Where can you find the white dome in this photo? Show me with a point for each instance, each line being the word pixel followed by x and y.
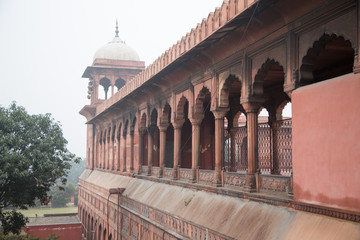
pixel 117 50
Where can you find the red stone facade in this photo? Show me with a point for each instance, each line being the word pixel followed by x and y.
pixel 176 123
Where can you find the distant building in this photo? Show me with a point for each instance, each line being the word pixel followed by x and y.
pixel 171 155
pixel 64 226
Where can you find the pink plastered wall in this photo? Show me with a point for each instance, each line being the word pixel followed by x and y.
pixel 326 143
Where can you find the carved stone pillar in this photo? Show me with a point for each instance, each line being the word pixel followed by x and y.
pixel 195 123
pixel 116 149
pixel 219 144
pixel 111 149
pixel 103 151
pixel 150 130
pixel 252 144
pixel 275 126
pixel 162 129
pixel 177 146
pixel 132 149
pixel 123 151
pixel 141 149
pixel 95 151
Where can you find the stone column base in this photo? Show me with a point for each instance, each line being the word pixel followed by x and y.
pixel 218 180
pixel 250 182
pixel 175 174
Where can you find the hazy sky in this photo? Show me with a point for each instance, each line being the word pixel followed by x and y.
pixel 45 46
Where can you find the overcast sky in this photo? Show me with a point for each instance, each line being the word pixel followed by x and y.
pixel 45 46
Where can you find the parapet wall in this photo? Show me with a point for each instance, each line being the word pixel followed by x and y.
pixel 326 132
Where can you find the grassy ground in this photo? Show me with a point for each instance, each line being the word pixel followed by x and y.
pixel 33 212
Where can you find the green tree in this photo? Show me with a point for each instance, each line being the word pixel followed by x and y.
pixel 33 157
pixel 59 197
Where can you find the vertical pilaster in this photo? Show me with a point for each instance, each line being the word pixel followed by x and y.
pixel 103 140
pixel 116 148
pixel 111 149
pixel 162 129
pixel 131 149
pixel 95 150
pixel 252 143
pixel 177 146
pixel 219 144
pixel 123 151
pixel 150 130
pixel 106 149
pixel 141 149
pixel 195 123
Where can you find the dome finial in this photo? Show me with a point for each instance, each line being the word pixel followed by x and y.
pixel 117 29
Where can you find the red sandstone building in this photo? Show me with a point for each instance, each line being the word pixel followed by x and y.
pixel 171 155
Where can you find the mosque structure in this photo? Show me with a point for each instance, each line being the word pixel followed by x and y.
pixel 177 149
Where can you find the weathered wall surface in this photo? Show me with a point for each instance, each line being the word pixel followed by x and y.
pixel 63 231
pixel 326 144
pixel 187 211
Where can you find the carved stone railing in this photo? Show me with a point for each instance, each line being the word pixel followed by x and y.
pixel 206 177
pixel 284 147
pixel 234 179
pixel 144 169
pixel 155 171
pixel 264 148
pixel 185 174
pixel 168 172
pixel 275 183
pixel 235 159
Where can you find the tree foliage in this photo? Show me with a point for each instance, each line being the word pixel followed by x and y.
pixel 33 156
pixel 61 198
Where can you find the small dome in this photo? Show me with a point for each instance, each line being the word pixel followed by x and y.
pixel 117 50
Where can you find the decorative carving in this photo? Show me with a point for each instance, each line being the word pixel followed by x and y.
pixel 264 148
pixel 331 212
pixel 185 173
pixel 234 179
pixel 168 172
pixel 206 177
pixel 235 159
pixel 275 183
pixel 155 171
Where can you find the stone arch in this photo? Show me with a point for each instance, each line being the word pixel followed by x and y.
pixel 330 56
pixel 269 74
pixel 99 232
pixel 155 136
pixel 166 114
pixel 169 143
pixel 231 86
pixel 125 128
pixel 180 110
pixel 119 83
pixel 105 83
pixel 280 109
pixel 144 135
pixel 104 234
pixel 204 96
pixel 207 129
pixel 182 113
pixel 143 121
pixel 153 117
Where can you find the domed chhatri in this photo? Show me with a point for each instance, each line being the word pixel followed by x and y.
pixel 117 50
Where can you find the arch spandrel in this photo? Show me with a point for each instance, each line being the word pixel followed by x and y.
pixel 324 57
pixel 277 54
pixel 340 26
pixel 234 73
